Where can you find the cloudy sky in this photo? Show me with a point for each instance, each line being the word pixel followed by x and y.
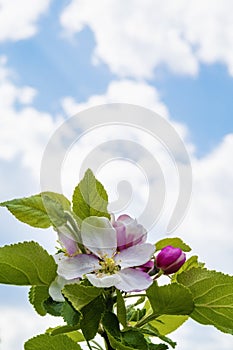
pixel 173 57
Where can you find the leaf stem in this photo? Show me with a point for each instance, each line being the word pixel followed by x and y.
pixel 134 295
pixel 146 320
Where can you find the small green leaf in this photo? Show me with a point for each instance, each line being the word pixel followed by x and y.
pixel 171 299
pixel 54 308
pixel 91 316
pixel 213 297
pixel 151 331
pixel 111 325
pixel 80 295
pixel 126 340
pixel 26 264
pixel 37 296
pixel 174 242
pixel 90 198
pixel 48 342
pixel 70 315
pixel 32 211
pixel 121 309
pixel 70 331
pixel 62 330
pixel 135 315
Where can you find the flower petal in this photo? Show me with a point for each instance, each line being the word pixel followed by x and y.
pixel 105 281
pixel 56 287
pixel 132 280
pixel 67 240
pixel 135 256
pixel 121 234
pixel 74 267
pixel 133 234
pixel 99 236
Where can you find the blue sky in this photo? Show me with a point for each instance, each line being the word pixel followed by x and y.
pixel 58 67
pixel 61 57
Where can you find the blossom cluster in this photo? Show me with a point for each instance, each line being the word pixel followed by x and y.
pixel 111 253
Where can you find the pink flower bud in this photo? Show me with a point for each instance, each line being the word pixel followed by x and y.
pixel 170 259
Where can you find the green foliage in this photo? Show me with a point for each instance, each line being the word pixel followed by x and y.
pixel 48 342
pixel 135 315
pixel 80 295
pixel 70 331
pixel 26 264
pixel 41 210
pixel 37 296
pixel 121 309
pixel 126 340
pixel 188 265
pixel 172 299
pixel 213 297
pixel 174 242
pixel 157 346
pixel 153 332
pixel 69 314
pixel 166 324
pixel 90 198
pixel 91 316
pixel 54 308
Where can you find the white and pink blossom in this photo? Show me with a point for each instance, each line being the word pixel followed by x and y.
pixel 105 265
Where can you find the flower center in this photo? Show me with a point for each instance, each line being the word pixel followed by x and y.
pixel 108 266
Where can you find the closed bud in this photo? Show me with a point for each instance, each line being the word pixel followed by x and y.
pixel 170 259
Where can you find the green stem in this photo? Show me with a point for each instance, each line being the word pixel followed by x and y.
pixel 134 295
pixel 106 340
pixel 146 320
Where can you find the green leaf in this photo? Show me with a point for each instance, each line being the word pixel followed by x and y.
pixel 171 299
pixel 26 264
pixel 166 324
pixel 121 309
pixel 91 316
pixel 54 308
pixel 70 331
pixel 153 332
pixel 135 315
pixel 80 295
pixel 174 242
pixel 134 339
pixel 32 211
pixel 70 315
pixel 90 198
pixel 37 296
pixel 188 265
pixel 157 346
pixel 126 340
pixel 213 297
pixel 48 342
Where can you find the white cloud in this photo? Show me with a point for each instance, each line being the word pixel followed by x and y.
pixel 134 38
pixel 24 130
pixel 19 20
pixel 208 225
pixel 19 324
pixel 123 91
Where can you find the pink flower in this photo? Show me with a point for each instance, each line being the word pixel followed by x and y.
pixel 129 232
pixel 106 266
